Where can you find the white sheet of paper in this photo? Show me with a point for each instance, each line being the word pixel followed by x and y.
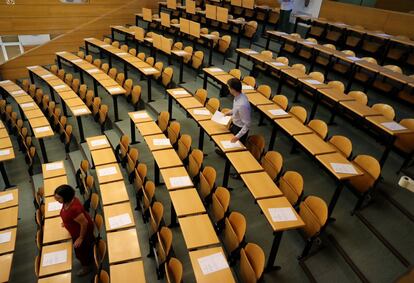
pixel 89 38
pixel 53 206
pixel 122 54
pixel 107 171
pixel 80 111
pixel 47 76
pixel 215 70
pixel 313 82
pixel 42 129
pixel 99 142
pixel 278 64
pixel 309 42
pixel 5 82
pixel 6 198
pixel 203 112
pixel 114 89
pixel 140 115
pixel 277 112
pixel 251 52
pixel 212 263
pixel 61 53
pixel 17 92
pixel 181 181
pixel 55 257
pixel 178 92
pixel 161 142
pixel 91 71
pixel 180 52
pixel 5 237
pixel 4 152
pixel 353 58
pixel 77 61
pixel 281 214
pixel 247 87
pixel 229 144
pixel 343 168
pixel 32 67
pixel 393 126
pixel 54 166
pixel 105 45
pixel 383 35
pixel 220 118
pixel 60 86
pixel 119 220
pixel 26 105
pixel 150 69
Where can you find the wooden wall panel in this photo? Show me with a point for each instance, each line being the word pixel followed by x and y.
pixel 72 39
pixel 370 18
pixel 395 5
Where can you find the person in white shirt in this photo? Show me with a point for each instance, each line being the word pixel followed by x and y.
pixel 286 7
pixel 241 112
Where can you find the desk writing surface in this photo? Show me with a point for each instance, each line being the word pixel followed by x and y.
pixel 279 202
pixel 43 131
pixel 213 128
pixel 378 120
pixel 61 278
pixel 244 162
pixel 68 95
pixel 360 109
pixel 23 99
pixel 8 156
pixel 39 122
pixel 335 95
pixel 140 116
pixel 266 110
pixel 327 159
pixel 13 202
pixel 223 78
pixel 4 133
pixel 103 156
pixel 261 185
pixel 116 210
pixel 249 4
pixel 195 114
pixel 172 4
pixel 120 252
pixel 50 213
pixel 294 73
pixel 314 144
pixel 114 192
pixel 5 263
pixel 166 158
pixel 149 140
pixel 187 202
pixel 198 231
pixel 97 142
pixel 114 174
pixel 223 275
pixel 74 102
pixel 51 184
pixel 60 267
pixel 129 272
pixel 5 143
pixel 257 99
pixel 53 231
pixel 168 173
pixel 218 139
pixel 148 128
pixel 10 245
pixel 293 126
pixel 189 102
pixel 213 71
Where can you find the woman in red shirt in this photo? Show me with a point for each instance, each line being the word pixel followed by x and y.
pixel 79 225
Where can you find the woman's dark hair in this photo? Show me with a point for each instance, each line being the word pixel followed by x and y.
pixel 66 192
pixel 235 84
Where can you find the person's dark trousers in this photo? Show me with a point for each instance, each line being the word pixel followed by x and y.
pixel 235 130
pixel 284 20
